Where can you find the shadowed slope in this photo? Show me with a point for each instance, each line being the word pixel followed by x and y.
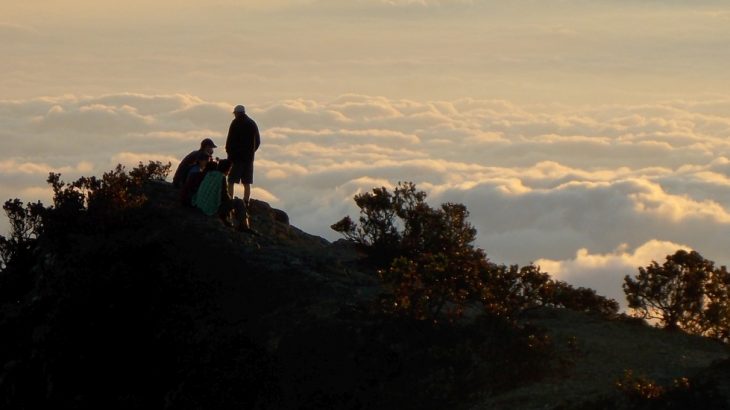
pixel 171 309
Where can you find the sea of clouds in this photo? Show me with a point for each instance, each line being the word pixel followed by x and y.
pixel 589 193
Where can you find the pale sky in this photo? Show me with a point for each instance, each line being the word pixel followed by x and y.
pixel 527 51
pixel 590 136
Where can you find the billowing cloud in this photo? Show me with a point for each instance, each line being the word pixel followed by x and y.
pixel 541 182
pixel 605 272
pixel 12 167
pixel 580 132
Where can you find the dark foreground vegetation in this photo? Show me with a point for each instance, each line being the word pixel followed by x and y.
pixel 116 297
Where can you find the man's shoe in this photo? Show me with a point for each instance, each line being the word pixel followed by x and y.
pixel 226 222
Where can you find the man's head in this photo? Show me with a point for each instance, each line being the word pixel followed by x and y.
pixel 207 145
pixel 239 110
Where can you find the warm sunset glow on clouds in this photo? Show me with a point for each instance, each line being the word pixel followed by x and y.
pixel 588 136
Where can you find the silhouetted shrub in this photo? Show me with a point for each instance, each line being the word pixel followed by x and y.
pixel 686 292
pixel 643 393
pixel 153 171
pixel 639 388
pixel 87 203
pixel 425 256
pixel 26 222
pixel 402 224
pixel 117 317
pixel 17 251
pixel 510 290
pixel 582 299
pixel 112 317
pixel 103 199
pixel 432 270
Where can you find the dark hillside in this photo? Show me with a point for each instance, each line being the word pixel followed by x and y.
pixel 162 307
pixel 602 351
pixel 158 306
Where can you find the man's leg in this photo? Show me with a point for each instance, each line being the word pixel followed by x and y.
pixel 241 213
pixel 224 212
pixel 246 192
pixel 231 185
pixel 233 177
pixel 247 180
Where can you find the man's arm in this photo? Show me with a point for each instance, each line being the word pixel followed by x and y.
pixel 257 137
pixel 182 169
pixel 229 140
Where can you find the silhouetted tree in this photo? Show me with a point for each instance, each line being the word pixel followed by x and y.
pixel 427 260
pixel 512 289
pixel 17 251
pixel 716 315
pixel 100 200
pixel 26 222
pixel 581 299
pixel 426 255
pixel 114 191
pixel 686 292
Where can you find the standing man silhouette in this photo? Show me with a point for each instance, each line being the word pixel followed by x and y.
pixel 241 145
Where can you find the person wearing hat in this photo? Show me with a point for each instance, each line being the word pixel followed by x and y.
pixel 190 160
pixel 195 177
pixel 241 145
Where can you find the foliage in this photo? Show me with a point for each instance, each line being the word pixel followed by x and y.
pixel 129 317
pixel 89 203
pixel 17 251
pixel 425 255
pixel 686 292
pixel 427 261
pixel 111 316
pixel 509 290
pixel 582 299
pixel 103 199
pixel 638 388
pixel 380 214
pixel 26 222
pixel 513 289
pixel 114 191
pixel 642 393
pixel 153 171
pixel 716 315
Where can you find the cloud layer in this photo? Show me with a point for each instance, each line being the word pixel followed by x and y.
pixel 589 193
pixel 606 271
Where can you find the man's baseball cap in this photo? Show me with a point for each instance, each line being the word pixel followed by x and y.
pixel 207 143
pixel 239 108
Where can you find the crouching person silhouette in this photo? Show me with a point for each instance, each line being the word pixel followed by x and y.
pixel 213 199
pixel 181 173
pixel 195 177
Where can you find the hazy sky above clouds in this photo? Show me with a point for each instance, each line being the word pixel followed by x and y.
pixel 527 51
pixel 590 136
